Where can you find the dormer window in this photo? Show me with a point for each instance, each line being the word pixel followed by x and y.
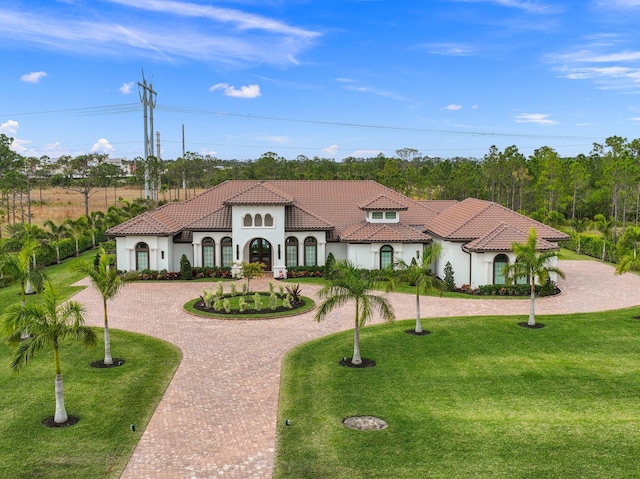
pixel 390 215
pixel 383 216
pixel 376 215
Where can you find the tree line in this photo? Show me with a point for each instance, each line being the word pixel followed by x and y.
pixel 545 185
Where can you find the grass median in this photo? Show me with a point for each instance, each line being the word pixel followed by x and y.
pixel 477 398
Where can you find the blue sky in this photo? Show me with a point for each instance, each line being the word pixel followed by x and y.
pixel 326 78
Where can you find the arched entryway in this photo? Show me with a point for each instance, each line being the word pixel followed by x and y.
pixel 260 252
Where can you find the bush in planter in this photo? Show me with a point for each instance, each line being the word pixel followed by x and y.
pixel 449 280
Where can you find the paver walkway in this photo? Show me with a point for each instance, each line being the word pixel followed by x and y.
pixel 218 415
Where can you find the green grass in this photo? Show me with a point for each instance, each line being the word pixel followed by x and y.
pixel 478 398
pixel 107 401
pixel 567 254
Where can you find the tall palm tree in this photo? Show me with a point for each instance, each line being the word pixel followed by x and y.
pixel 108 282
pixel 48 324
pixel 605 226
pixel 56 232
pixel 418 273
pixel 532 265
pixel 348 283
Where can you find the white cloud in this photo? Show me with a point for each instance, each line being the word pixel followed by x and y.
pixel 366 153
pixel 453 107
pixel 9 127
pixel 449 49
pixel 529 6
pixel 102 146
pixel 127 88
pixel 33 77
pixel 331 150
pixel 247 91
pixel 281 140
pixel 635 118
pixel 223 35
pixel 539 118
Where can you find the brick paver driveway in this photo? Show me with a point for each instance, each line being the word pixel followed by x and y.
pixel 218 415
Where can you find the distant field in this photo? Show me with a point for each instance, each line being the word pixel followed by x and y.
pixel 58 204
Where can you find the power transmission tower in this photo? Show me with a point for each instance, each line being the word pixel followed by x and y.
pixel 148 99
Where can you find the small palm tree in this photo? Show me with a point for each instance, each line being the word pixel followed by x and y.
pixel 419 274
pixel 18 267
pixel 108 282
pixel 94 222
pixel 348 283
pixel 56 233
pixel 580 225
pixel 76 229
pixel 48 324
pixel 630 261
pixel 532 265
pixel 605 226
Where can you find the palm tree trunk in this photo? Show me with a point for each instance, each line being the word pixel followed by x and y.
pixel 107 338
pixel 532 305
pixel 356 347
pixel 418 329
pixel 60 415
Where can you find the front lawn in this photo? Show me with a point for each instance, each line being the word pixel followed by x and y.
pixel 477 398
pixel 107 401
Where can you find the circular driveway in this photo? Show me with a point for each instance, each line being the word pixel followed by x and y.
pixel 218 415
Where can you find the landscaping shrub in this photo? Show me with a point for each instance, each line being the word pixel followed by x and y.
pixel 186 272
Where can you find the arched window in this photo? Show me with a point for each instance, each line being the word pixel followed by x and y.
pixel 208 253
pixel 499 262
pixel 248 221
pixel 226 244
pixel 310 251
pixel 257 220
pixel 142 256
pixel 522 279
pixel 291 246
pixel 386 256
pixel 268 220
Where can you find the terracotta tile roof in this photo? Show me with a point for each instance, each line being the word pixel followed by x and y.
pixel 502 239
pixel 472 219
pixel 219 220
pixel 383 202
pixel 384 232
pixel 297 218
pixel 260 194
pixel 438 205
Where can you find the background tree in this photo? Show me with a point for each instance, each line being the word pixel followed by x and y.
pixel 81 174
pixel 604 226
pixel 419 274
pixel 56 233
pixel 48 324
pixel 348 283
pixel 532 265
pixel 76 229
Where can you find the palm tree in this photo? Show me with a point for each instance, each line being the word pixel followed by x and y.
pixel 532 265
pixel 18 267
pixel 630 262
pixel 76 229
pixel 580 225
pixel 48 323
pixel 94 221
pixel 603 225
pixel 418 273
pixel 348 283
pixel 56 232
pixel 108 282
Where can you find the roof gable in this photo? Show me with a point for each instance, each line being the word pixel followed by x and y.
pixel 383 202
pixel 502 238
pixel 260 194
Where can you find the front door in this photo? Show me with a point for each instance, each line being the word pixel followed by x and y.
pixel 260 252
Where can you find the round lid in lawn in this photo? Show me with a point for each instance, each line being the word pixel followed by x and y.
pixel 365 423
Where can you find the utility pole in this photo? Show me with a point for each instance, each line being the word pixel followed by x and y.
pixel 148 99
pixel 184 172
pixel 158 187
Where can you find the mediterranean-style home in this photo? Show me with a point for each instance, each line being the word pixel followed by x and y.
pixel 285 224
